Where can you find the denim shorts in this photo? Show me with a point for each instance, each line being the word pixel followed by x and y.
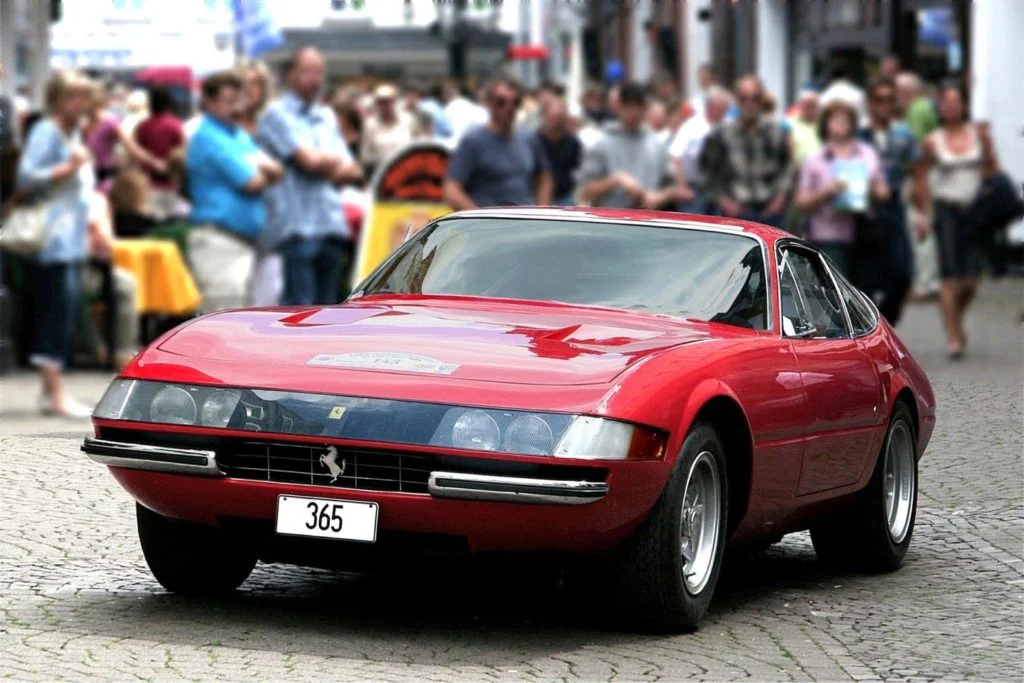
pixel 55 299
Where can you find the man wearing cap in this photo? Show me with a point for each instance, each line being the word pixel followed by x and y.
pixel 388 131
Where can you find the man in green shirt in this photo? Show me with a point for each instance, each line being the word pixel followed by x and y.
pixel 804 124
pixel 918 111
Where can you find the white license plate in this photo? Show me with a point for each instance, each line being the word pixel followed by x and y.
pixel 327 518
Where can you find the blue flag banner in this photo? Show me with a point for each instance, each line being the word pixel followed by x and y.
pixel 255 27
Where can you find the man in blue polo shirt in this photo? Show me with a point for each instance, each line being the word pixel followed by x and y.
pixel 227 174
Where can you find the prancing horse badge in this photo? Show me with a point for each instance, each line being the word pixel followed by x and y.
pixel 330 461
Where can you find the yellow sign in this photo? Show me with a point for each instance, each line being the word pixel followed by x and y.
pixel 387 225
pixel 336 413
pixel 405 195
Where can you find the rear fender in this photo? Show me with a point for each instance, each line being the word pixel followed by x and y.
pixel 907 376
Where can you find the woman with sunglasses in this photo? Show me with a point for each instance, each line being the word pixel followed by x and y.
pixel 961 155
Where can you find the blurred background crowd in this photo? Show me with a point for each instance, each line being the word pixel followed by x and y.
pixel 168 193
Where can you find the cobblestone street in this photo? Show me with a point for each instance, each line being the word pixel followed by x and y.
pixel 78 602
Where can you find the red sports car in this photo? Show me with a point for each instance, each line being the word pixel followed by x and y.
pixel 630 390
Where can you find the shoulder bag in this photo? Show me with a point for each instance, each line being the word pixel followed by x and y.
pixel 24 232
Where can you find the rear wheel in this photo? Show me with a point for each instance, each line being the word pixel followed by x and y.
pixel 192 559
pixel 663 577
pixel 874 533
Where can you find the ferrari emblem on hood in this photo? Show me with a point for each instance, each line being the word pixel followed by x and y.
pixel 330 461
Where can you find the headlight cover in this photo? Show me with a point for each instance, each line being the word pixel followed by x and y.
pixel 551 434
pixel 173 405
pixel 515 432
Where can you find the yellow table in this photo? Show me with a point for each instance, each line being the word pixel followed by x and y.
pixel 164 284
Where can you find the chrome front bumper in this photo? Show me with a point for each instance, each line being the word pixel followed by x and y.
pixel 456 485
pixel 153 458
pixel 514 489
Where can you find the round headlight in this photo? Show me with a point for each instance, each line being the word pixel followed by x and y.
pixel 529 435
pixel 476 430
pixel 218 408
pixel 173 405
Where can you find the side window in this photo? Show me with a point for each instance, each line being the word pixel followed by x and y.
pixel 811 308
pixel 862 314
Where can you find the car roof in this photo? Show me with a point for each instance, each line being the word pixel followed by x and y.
pixel 638 217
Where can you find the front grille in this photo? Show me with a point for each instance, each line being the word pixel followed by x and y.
pixel 344 467
pixel 370 469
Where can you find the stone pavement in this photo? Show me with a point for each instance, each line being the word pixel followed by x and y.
pixel 77 601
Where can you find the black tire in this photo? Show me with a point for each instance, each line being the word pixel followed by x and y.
pixel 645 574
pixel 192 559
pixel 858 537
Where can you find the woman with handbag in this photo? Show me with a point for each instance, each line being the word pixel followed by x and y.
pixel 838 183
pixel 960 155
pixel 55 175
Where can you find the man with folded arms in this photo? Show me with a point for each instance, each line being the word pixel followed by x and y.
pixel 306 224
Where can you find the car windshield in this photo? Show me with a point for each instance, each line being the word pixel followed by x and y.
pixel 692 273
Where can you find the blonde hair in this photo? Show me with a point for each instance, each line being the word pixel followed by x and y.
pixel 97 93
pixel 130 191
pixel 64 83
pixel 266 82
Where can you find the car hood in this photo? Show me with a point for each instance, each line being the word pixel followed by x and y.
pixel 534 343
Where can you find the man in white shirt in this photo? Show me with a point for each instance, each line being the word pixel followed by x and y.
pixel 388 131
pixel 461 112
pixel 707 78
pixel 686 146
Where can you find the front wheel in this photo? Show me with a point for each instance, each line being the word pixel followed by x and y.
pixel 874 533
pixel 664 575
pixel 191 558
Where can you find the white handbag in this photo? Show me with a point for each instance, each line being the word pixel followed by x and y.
pixel 24 232
pixel 27 228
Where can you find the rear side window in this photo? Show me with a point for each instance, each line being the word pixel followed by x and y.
pixel 863 317
pixel 811 308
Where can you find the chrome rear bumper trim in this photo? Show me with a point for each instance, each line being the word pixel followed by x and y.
pixel 514 489
pixel 154 458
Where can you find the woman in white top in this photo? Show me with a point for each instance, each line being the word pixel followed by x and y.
pixel 961 156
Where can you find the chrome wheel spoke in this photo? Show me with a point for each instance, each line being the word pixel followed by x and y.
pixel 700 520
pixel 687 554
pixel 899 481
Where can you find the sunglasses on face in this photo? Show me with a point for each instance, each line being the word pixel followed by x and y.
pixel 504 101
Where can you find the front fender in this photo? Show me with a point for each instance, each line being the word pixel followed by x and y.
pixel 701 395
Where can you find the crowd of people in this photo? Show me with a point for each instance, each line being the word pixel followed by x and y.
pixel 269 177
